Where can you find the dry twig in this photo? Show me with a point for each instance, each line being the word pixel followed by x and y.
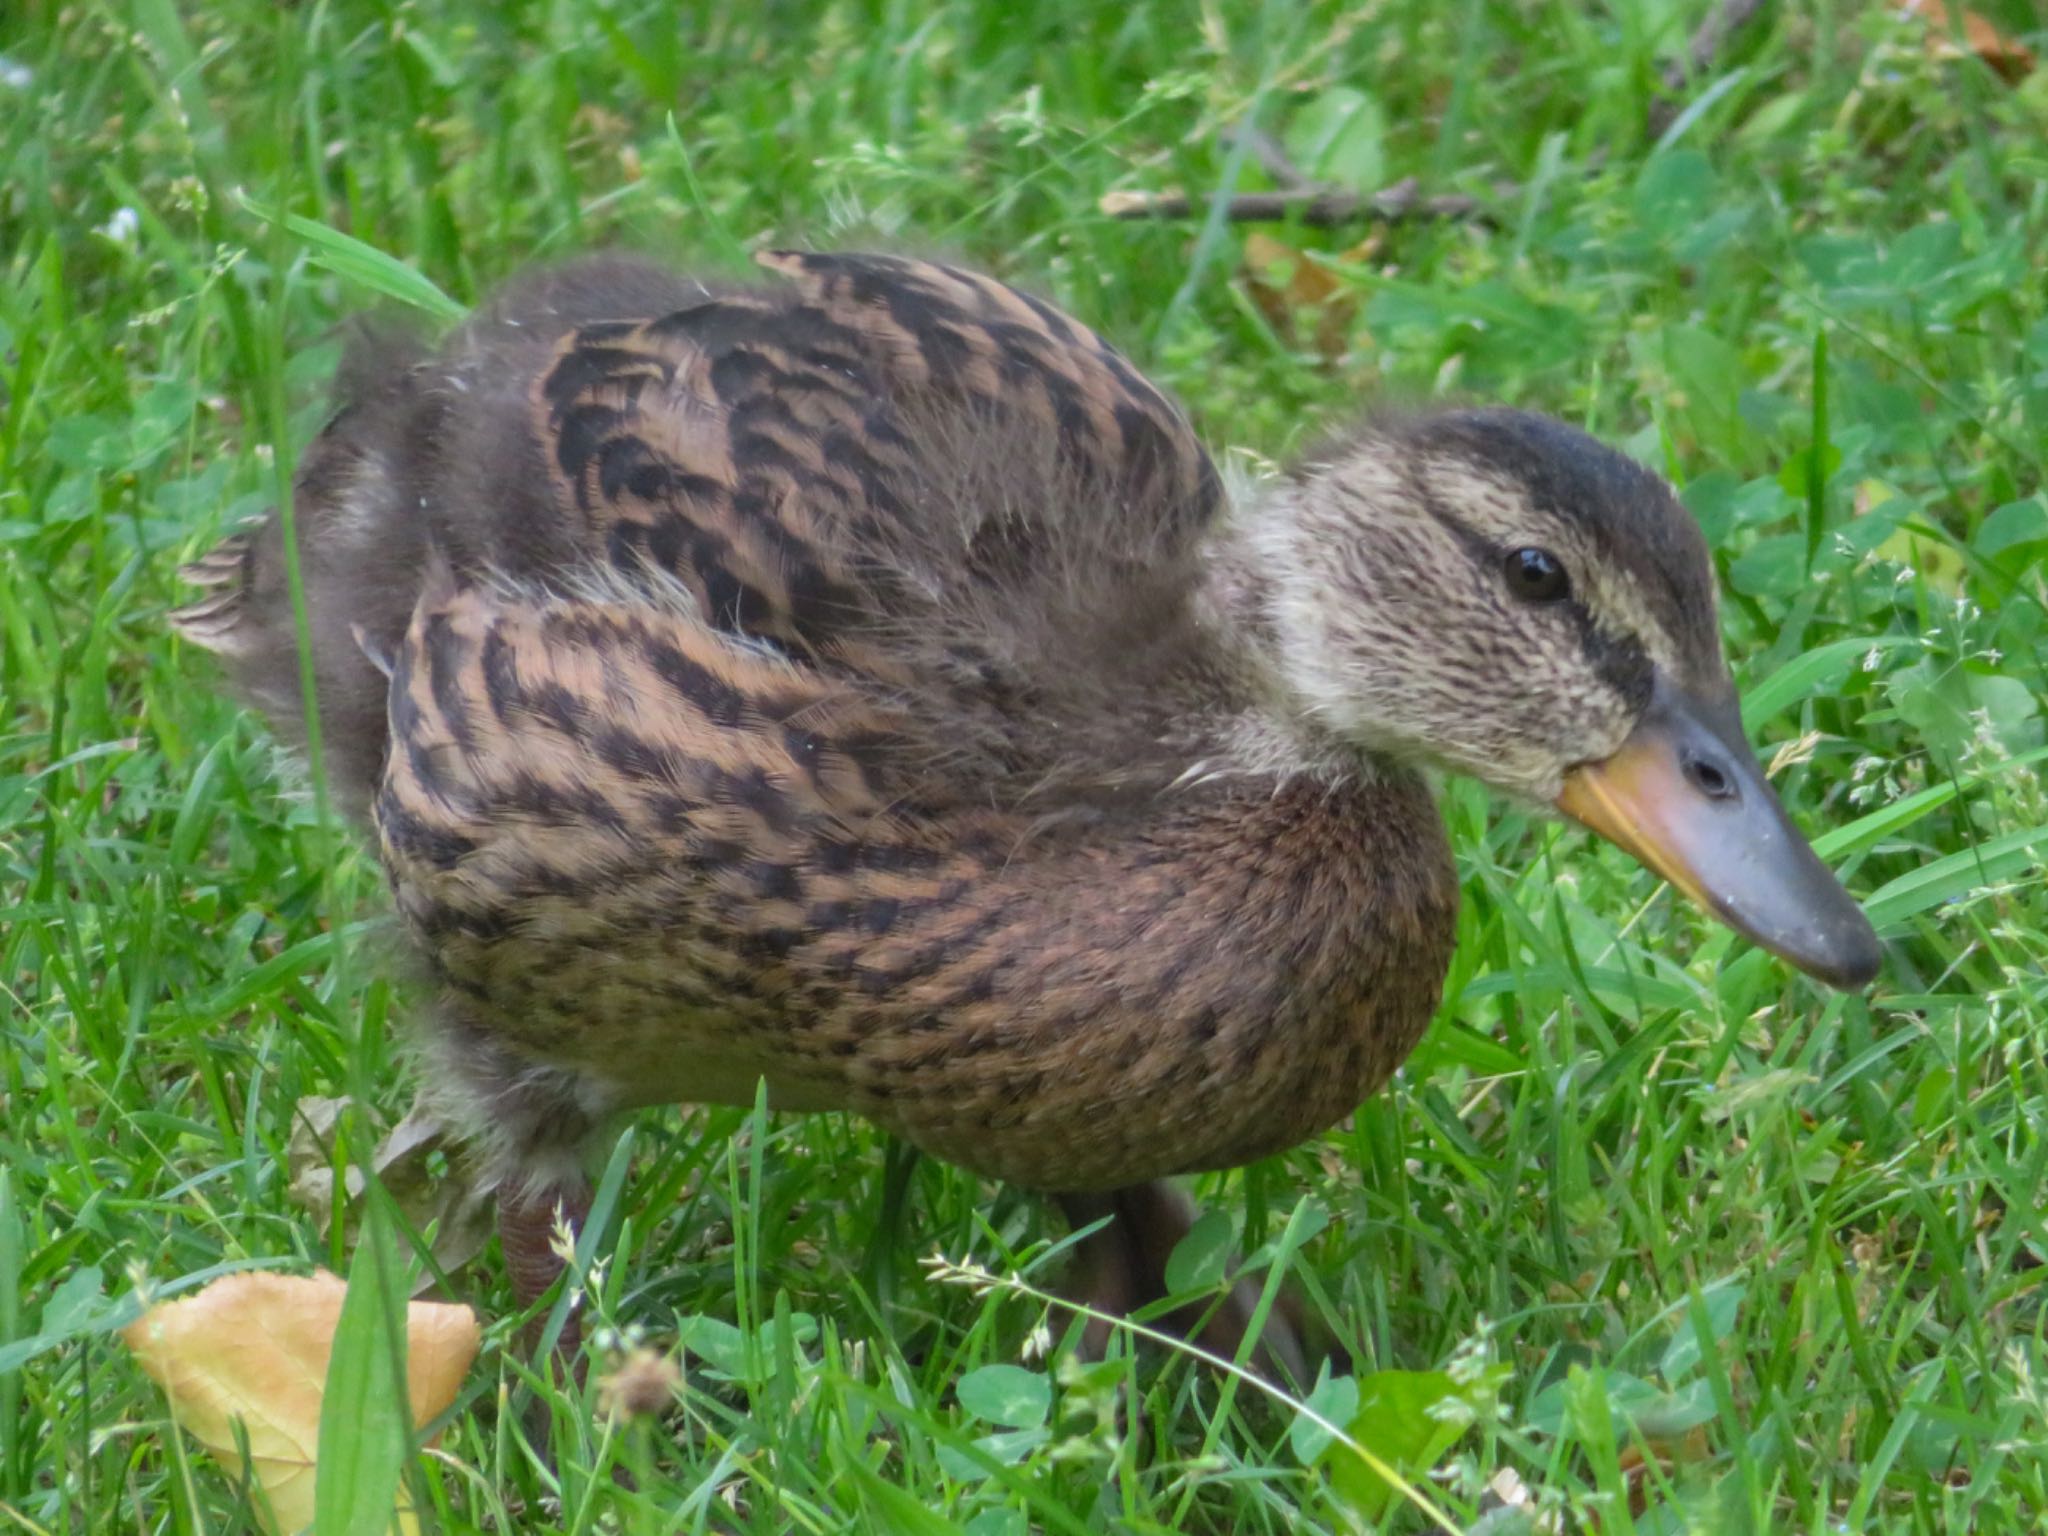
pixel 1322 206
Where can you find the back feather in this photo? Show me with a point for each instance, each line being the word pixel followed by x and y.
pixel 938 492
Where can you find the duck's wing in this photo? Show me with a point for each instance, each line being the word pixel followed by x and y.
pixel 775 448
pixel 573 770
pixel 427 451
pixel 911 478
pixel 916 478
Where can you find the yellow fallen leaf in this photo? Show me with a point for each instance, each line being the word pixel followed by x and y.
pixel 1937 563
pixel 1870 495
pixel 1285 283
pixel 255 1347
pixel 2007 57
pixel 1939 566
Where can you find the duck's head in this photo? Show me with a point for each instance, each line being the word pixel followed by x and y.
pixel 1498 594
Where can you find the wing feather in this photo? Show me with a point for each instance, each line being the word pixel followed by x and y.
pixel 913 481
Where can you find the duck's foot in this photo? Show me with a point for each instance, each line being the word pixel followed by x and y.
pixel 1122 1267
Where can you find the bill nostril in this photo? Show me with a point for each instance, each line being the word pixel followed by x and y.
pixel 1710 778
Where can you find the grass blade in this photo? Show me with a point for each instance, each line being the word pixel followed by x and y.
pixel 356 262
pixel 365 1415
pixel 1947 878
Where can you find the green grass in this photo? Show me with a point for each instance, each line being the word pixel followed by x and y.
pixel 1746 1254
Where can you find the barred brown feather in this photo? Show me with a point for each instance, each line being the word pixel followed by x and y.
pixel 858 684
pixel 778 695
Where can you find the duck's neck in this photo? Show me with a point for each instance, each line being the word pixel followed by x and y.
pixel 1254 724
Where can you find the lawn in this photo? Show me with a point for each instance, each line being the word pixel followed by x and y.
pixel 1700 1245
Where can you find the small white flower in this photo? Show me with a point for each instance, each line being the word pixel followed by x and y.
pixel 122 227
pixel 15 76
pixel 561 1233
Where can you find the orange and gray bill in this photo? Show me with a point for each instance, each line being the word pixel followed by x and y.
pixel 1686 796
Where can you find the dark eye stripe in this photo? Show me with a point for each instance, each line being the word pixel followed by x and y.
pixel 1618 660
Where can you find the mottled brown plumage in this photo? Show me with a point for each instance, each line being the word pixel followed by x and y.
pixel 858 683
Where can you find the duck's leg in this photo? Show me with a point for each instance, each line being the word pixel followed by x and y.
pixel 530 1219
pixel 534 1126
pixel 1123 1267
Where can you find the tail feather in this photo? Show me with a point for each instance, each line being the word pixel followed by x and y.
pixel 227 563
pixel 429 453
pixel 219 622
pixel 380 655
pixel 357 530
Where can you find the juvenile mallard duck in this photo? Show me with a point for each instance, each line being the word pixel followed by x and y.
pixel 860 683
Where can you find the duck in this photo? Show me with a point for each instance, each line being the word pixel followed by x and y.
pixel 861 681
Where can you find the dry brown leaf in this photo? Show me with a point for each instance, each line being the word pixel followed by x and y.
pixel 1302 281
pixel 2008 57
pixel 449 1202
pixel 1689 1449
pixel 254 1348
pixel 1285 283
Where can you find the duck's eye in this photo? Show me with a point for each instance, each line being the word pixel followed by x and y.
pixel 1537 576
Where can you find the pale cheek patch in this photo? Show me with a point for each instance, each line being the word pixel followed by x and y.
pixel 1398 637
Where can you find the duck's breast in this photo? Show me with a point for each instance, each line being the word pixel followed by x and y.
pixel 630 849
pixel 1193 994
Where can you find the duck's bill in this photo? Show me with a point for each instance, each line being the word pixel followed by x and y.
pixel 1686 796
